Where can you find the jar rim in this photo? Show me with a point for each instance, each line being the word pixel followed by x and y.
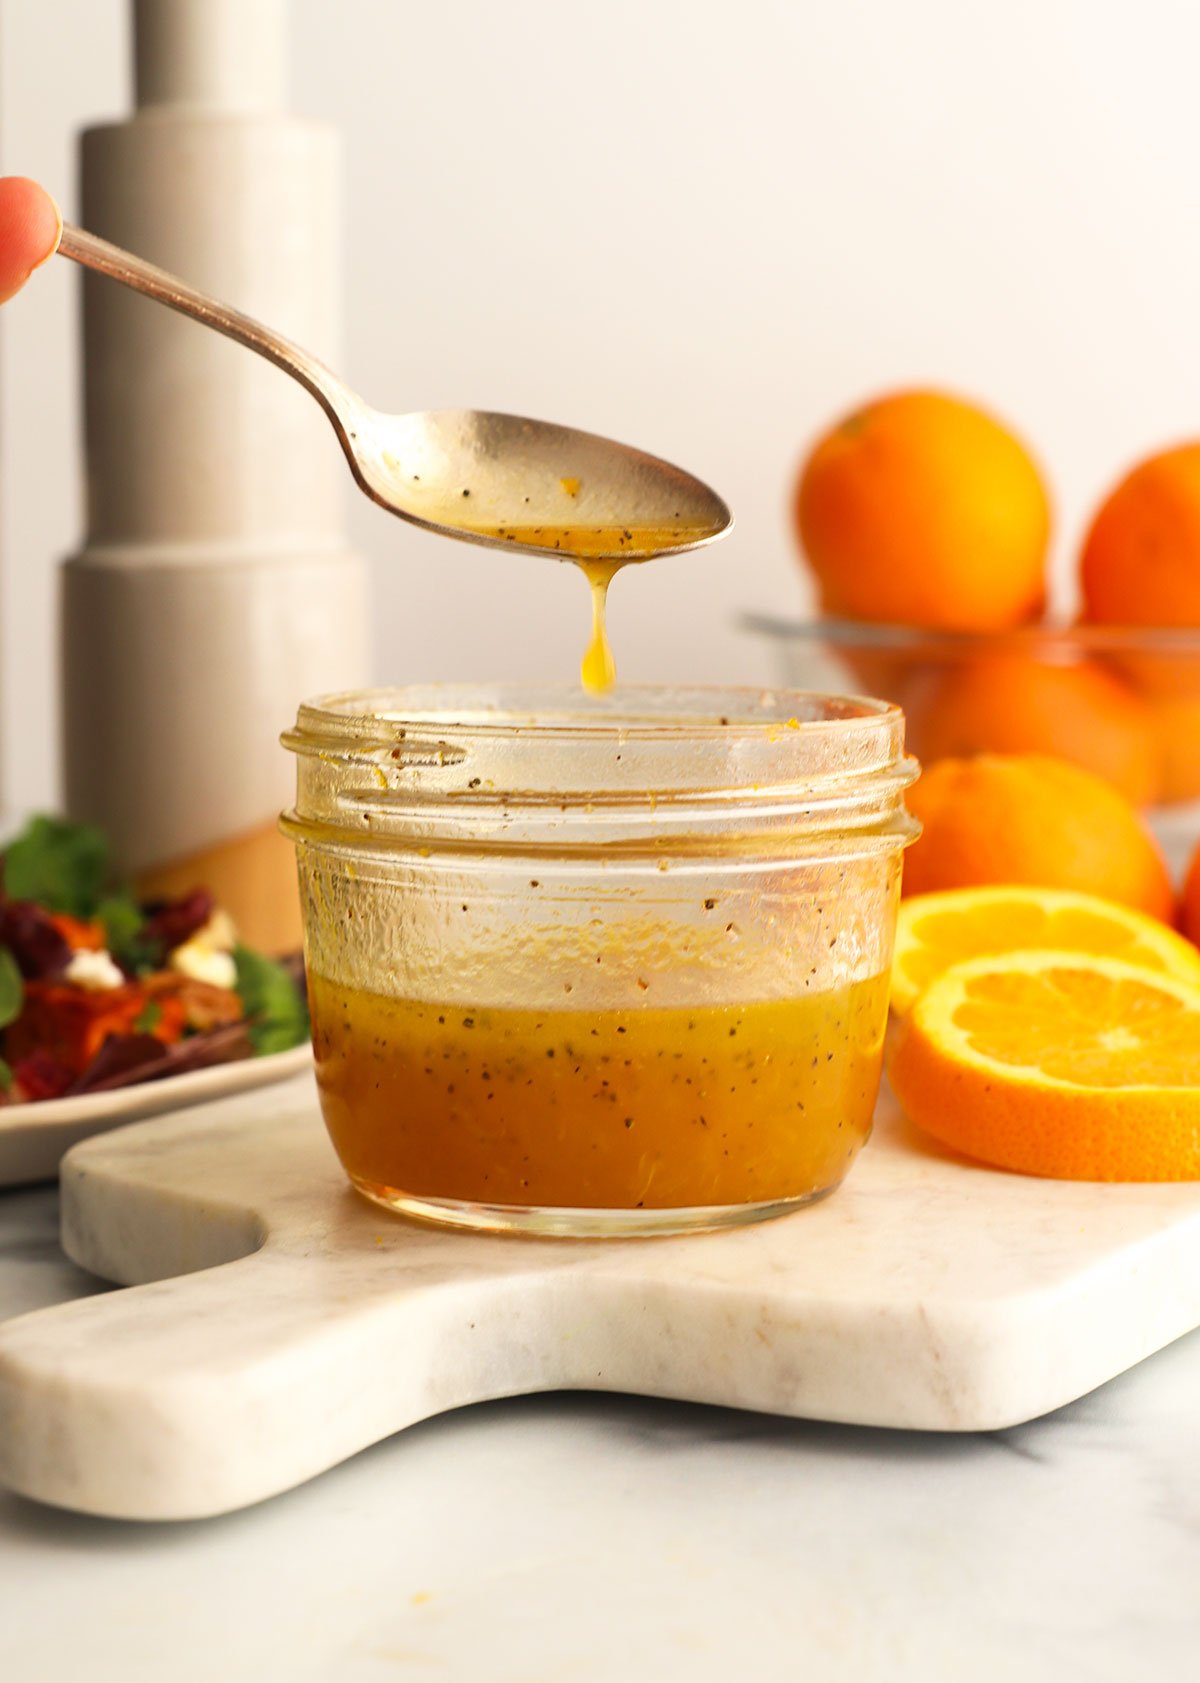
pixel 506 765
pixel 635 710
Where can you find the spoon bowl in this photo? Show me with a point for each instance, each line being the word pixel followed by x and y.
pixel 501 480
pixel 531 486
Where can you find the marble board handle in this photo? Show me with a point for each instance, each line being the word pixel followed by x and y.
pixel 188 1397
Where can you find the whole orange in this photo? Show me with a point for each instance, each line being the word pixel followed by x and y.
pixel 1017 704
pixel 1190 918
pixel 921 508
pixel 1177 724
pixel 1141 558
pixel 1030 818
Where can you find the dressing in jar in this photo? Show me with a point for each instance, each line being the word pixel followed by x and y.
pixel 598 967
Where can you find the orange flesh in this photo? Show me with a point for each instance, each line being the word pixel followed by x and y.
pixel 1093 1030
pixel 950 936
pixel 622 1109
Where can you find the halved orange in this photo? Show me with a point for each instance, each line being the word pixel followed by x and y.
pixel 934 931
pixel 1057 1063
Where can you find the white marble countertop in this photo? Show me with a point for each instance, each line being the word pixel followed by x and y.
pixel 580 1539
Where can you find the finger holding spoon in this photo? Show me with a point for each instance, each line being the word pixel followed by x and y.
pixel 30 229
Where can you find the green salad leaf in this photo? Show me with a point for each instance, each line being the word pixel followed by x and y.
pixel 12 989
pixel 148 1018
pixel 6 1077
pixel 123 921
pixel 61 865
pixel 276 1012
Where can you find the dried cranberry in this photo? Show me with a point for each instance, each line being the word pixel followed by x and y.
pixel 41 950
pixel 169 923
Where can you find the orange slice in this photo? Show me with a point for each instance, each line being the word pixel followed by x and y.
pixel 935 931
pixel 1057 1063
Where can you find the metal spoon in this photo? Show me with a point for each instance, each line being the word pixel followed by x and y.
pixel 493 479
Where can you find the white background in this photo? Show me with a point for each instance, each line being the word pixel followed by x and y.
pixel 706 228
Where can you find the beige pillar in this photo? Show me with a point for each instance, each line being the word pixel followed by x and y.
pixel 215 588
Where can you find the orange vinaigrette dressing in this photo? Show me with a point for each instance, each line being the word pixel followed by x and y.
pixel 614 1109
pixel 596 551
pixel 599 670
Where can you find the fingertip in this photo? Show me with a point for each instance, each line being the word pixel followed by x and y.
pixel 30 230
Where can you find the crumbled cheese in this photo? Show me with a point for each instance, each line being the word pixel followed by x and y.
pixel 200 959
pixel 218 932
pixel 95 971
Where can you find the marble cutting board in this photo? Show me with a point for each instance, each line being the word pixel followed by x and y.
pixel 277 1323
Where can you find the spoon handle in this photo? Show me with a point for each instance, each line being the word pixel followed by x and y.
pixel 106 259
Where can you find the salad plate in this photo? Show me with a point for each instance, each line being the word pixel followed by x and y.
pixel 34 1137
pixel 115 1007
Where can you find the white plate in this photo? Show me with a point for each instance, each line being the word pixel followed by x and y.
pixel 33 1137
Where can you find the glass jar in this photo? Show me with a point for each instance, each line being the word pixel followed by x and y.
pixel 592 967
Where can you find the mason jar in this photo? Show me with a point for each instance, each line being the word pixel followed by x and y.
pixel 596 967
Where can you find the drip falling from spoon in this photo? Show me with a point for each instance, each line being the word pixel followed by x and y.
pixel 599 670
pixel 600 552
